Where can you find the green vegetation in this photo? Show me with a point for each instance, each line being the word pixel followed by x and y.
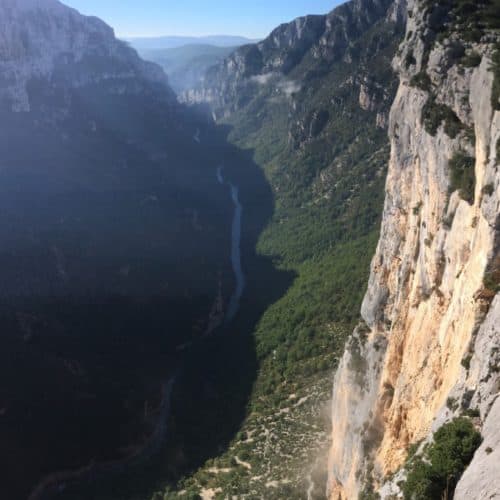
pixel 463 176
pixel 410 60
pixel 491 280
pixel 369 494
pixel 422 81
pixel 294 337
pixel 436 473
pixel 466 361
pixel 472 413
pixel 452 404
pixel 469 19
pixel 471 60
pixel 470 134
pixel 417 208
pixel 495 67
pixel 326 169
pixel 489 189
pixel 434 114
pixel 412 450
pixel 464 22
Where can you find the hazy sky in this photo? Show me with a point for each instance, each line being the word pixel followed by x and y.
pixel 251 18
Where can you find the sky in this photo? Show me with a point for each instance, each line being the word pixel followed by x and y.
pixel 250 18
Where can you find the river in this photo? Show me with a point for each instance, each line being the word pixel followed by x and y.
pixel 234 301
pixel 59 481
pixel 56 483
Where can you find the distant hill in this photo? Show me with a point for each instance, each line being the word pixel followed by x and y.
pixel 186 65
pixel 170 42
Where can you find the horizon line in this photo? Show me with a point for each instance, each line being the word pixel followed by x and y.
pixel 122 35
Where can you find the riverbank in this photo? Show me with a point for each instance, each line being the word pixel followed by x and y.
pixel 57 484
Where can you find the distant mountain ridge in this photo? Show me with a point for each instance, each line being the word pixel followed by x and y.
pixel 170 42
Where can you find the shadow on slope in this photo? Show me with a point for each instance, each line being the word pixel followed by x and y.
pixel 217 373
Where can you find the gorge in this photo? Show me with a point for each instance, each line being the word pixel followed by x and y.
pixel 185 277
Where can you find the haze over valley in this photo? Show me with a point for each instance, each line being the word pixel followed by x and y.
pixel 256 267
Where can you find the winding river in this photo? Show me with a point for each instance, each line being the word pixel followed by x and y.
pixel 234 301
pixel 54 484
pixel 59 481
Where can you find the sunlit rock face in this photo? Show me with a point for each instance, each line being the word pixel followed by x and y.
pixel 432 326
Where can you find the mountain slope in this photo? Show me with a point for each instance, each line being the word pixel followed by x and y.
pixel 310 105
pixel 427 353
pixel 115 242
pixel 101 123
pixel 37 35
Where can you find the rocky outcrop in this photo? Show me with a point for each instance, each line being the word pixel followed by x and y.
pixel 481 479
pixel 228 86
pixel 44 39
pixel 431 328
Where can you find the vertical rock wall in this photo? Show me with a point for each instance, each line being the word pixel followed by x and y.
pixel 427 297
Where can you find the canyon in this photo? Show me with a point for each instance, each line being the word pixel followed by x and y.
pixel 322 205
pixel 425 352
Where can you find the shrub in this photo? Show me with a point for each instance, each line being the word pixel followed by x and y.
pixel 491 280
pixel 472 412
pixel 431 117
pixel 495 68
pixel 410 60
pixel 463 176
pixel 369 494
pixel 466 361
pixel 422 81
pixel 412 450
pixel 437 473
pixel 452 404
pixel 491 14
pixel 417 208
pixel 434 114
pixel 452 124
pixel 471 60
pixel 470 134
pixel 488 189
pixel 419 484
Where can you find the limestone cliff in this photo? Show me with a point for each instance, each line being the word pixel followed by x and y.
pixel 328 39
pixel 431 330
pixel 44 39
